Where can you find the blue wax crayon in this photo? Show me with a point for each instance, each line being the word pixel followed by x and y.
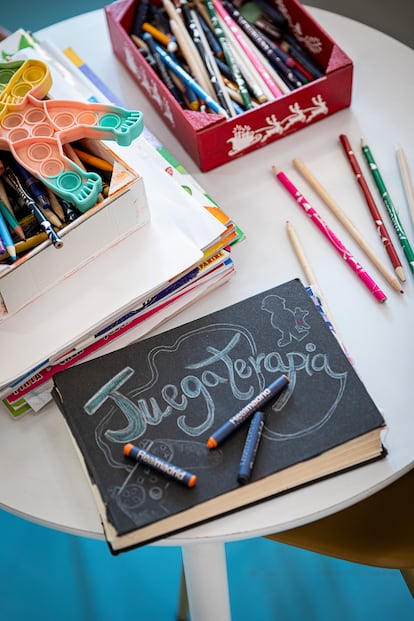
pixel 188 79
pixel 250 448
pixel 160 465
pixel 244 414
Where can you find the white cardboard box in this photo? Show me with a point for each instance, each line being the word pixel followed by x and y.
pixel 124 210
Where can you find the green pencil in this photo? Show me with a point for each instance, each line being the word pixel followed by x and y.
pixel 228 55
pixel 386 199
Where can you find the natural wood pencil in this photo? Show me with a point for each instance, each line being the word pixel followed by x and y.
pixel 348 224
pixel 310 276
pixel 406 179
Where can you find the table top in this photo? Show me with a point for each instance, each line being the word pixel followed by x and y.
pixel 42 479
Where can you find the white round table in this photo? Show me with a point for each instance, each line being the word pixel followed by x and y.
pixel 42 479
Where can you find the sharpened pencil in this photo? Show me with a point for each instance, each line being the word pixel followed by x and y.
pixel 389 205
pixel 372 206
pixel 336 243
pixel 406 179
pixel 348 225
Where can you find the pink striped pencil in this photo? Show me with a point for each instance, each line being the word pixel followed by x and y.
pixel 330 236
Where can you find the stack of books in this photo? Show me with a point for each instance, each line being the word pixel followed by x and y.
pixel 127 291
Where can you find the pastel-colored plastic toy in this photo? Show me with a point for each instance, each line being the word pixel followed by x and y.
pixel 34 130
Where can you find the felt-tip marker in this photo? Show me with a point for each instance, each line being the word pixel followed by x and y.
pixel 160 465
pixel 250 447
pixel 244 414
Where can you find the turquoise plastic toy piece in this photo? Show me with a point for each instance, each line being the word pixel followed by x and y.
pixel 34 130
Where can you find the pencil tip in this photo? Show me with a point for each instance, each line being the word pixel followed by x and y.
pixel 275 169
pixel 400 273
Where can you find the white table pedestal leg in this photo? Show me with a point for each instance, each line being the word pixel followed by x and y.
pixel 205 571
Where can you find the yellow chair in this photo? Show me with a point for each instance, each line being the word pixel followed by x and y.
pixel 377 531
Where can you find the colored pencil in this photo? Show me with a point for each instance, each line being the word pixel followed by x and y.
pixel 209 62
pixel 186 77
pixel 331 237
pixel 312 281
pixel 187 47
pixel 6 238
pixel 406 179
pixel 305 265
pixel 372 206
pixel 389 205
pixel 239 37
pixel 264 46
pixel 229 56
pixel 161 69
pixel 348 225
pixel 255 85
pixel 43 222
pixel 10 218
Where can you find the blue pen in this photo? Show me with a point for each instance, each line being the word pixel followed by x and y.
pixel 245 413
pixel 188 79
pixel 7 238
pixel 250 448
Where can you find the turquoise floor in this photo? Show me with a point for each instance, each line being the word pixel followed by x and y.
pixel 46 575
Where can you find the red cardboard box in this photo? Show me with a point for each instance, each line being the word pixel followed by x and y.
pixel 210 139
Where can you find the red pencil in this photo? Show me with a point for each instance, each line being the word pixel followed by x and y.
pixel 376 216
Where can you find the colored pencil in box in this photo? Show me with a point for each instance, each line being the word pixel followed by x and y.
pixel 161 69
pixel 264 46
pixel 389 205
pixel 238 36
pixel 187 78
pixel 187 48
pixel 234 69
pixel 42 221
pixel 349 259
pixel 6 238
pixel 10 218
pixel 195 31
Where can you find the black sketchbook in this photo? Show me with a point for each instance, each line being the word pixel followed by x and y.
pixel 169 392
